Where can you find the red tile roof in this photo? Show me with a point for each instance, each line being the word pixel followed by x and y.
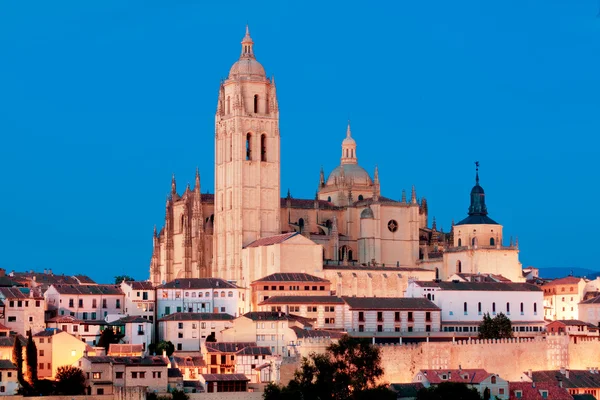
pixel 469 376
pixel 270 240
pixel 84 290
pixel 198 283
pixel 302 300
pixel 568 280
pixel 291 277
pixel 528 392
pixel 390 303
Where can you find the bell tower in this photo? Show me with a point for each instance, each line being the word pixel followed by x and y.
pixel 247 163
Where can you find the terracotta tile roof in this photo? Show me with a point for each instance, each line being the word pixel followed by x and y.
pixel 131 319
pixel 227 347
pixel 568 280
pixel 189 361
pixel 7 364
pixel 224 377
pixel 186 316
pixel 9 341
pixel 85 290
pixel 291 277
pixel 140 285
pixel 482 286
pixel 149 360
pixel 311 333
pixel 174 373
pixel 390 303
pixel 39 277
pixel 198 283
pixel 125 349
pixel 469 376
pixel 84 279
pixel 255 351
pixel 528 392
pixel 302 300
pixel 271 240
pixel 277 316
pixel 14 293
pixel 64 319
pixel 574 322
pixel 48 332
pixel 4 328
pixel 6 281
pixel 576 379
pixel 483 278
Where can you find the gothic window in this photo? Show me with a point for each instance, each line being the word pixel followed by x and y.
pixel 349 255
pixel 459 242
pixel 458 267
pixel 492 242
pixel 248 147
pixel 301 224
pixel 255 103
pixel 392 225
pixel 181 225
pixel 474 242
pixel 228 105
pixel 329 199
pixel 263 147
pixel 360 197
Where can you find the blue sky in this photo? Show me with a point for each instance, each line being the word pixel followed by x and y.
pixel 100 102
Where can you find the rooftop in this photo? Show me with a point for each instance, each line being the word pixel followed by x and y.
pixel 303 300
pixel 140 285
pixel 185 316
pixel 576 378
pixel 568 280
pixel 88 289
pixel 481 286
pixel 7 364
pixel 277 316
pixel 198 283
pixel 311 333
pixel 227 347
pixel 390 303
pixel 469 376
pixel 224 377
pixel 529 392
pixel 149 360
pixel 270 240
pixel 291 277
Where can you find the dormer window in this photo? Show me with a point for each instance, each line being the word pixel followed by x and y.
pixel 518 394
pixel 444 377
pixel 544 394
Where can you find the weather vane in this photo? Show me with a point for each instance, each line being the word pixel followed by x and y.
pixel 477 165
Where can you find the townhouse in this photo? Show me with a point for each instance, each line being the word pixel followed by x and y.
pixel 479 379
pixel 288 284
pixel 326 311
pixel 200 295
pixel 104 373
pixel 140 299
pixel 572 327
pixel 57 349
pixel 589 310
pixel 390 316
pixel 88 331
pixel 239 357
pixel 8 378
pixel 85 302
pixel 136 330
pixel 188 330
pixel 22 309
pixel 576 382
pixel 538 391
pixel 562 297
pixel 463 304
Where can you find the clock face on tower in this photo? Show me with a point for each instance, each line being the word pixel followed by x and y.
pixel 392 225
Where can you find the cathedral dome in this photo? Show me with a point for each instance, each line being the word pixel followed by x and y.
pixel 350 172
pixel 247 67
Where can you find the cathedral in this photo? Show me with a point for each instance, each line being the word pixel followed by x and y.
pixel 364 243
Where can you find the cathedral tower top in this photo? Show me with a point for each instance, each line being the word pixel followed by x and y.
pixel 477 209
pixel 349 148
pixel 247 67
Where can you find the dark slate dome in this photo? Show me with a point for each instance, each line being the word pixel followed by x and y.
pixel 477 209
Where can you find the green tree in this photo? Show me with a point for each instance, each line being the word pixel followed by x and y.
pixel 70 381
pixel 347 371
pixel 487 394
pixel 162 345
pixel 448 391
pixel 179 395
pixel 107 337
pixel 44 387
pixel 31 355
pixel 498 327
pixel 121 278
pixel 17 359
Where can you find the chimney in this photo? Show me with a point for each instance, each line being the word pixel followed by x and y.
pixel 530 373
pixel 533 384
pixel 164 353
pixel 560 384
pixel 562 370
pixel 567 373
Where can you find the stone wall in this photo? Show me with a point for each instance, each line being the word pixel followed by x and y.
pixel 509 358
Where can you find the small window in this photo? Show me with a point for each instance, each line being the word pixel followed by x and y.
pixel 263 147
pixel 492 242
pixel 360 197
pixel 248 147
pixel 255 103
pixel 493 380
pixel 459 242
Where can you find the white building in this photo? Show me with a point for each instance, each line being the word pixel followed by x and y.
pixel 327 311
pixel 200 295
pixel 140 299
pixel 562 297
pixel 381 316
pixel 90 302
pixel 8 378
pixel 187 331
pixel 463 304
pixel 589 310
pixel 22 310
pixel 136 330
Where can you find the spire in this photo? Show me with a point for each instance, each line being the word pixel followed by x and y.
pixel 434 226
pixel 173 186
pixel 348 131
pixel 477 206
pixel 413 195
pixel 197 183
pixel 321 177
pixel 403 196
pixel 247 44
pixel 155 234
pixel 289 195
pixel 376 175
